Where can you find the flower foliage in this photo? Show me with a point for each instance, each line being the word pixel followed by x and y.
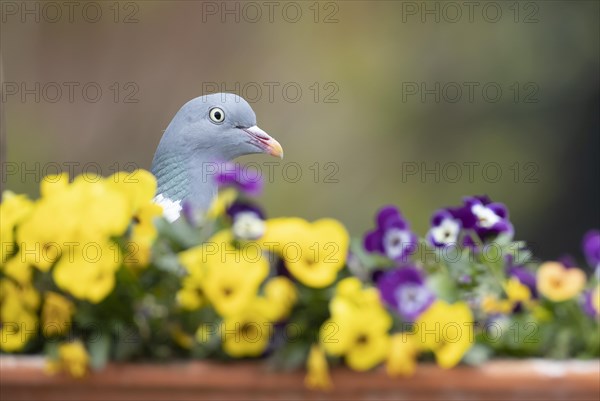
pixel 91 272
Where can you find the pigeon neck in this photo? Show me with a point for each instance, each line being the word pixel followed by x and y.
pixel 185 177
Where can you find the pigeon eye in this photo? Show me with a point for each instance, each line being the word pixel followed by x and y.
pixel 217 115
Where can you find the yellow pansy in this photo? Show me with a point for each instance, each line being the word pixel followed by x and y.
pixel 17 269
pixel 246 332
pixel 516 293
pixel 71 226
pixel 53 184
pixel 349 287
pixel 13 209
pixel 232 275
pixel 559 283
pixel 192 259
pixel 402 359
pixel 224 199
pixel 139 187
pixel 350 295
pixel 56 314
pixel 191 295
pixel 88 272
pixel 143 234
pixel 25 293
pixel 358 328
pixel 318 370
pixel 313 252
pixel 80 212
pixel 104 211
pixel 18 325
pixel 52 222
pixel 276 303
pixel 230 287
pixel 280 295
pixel 72 358
pixel 492 305
pixel 447 330
pixel 363 345
pixel 18 321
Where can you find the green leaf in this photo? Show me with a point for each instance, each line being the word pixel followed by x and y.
pixel 99 349
pixel 477 355
pixel 443 286
pixel 289 357
pixel 51 350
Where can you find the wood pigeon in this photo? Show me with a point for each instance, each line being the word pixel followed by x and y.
pixel 205 132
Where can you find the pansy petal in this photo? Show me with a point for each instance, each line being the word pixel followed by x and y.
pixel 373 241
pixel 499 208
pixel 385 214
pixel 591 247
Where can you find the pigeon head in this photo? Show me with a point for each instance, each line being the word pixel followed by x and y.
pixel 222 126
pixel 206 130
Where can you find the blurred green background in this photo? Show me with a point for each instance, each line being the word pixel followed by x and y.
pixel 357 64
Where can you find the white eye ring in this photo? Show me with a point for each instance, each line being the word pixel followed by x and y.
pixel 217 115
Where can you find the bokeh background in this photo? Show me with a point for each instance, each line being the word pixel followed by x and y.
pixel 358 117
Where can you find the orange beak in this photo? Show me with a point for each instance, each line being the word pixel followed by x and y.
pixel 265 141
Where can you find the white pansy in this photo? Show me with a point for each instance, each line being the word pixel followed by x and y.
pixel 486 217
pixel 446 232
pixel 411 297
pixel 248 225
pixel 396 242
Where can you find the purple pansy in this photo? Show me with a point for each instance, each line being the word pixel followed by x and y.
pixel 392 236
pixel 488 219
pixel 445 229
pixel 404 290
pixel 240 177
pixel 526 278
pixel 567 261
pixel 478 214
pixel 244 206
pixel 591 248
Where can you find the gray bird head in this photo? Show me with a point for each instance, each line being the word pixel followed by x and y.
pixel 207 129
pixel 223 124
